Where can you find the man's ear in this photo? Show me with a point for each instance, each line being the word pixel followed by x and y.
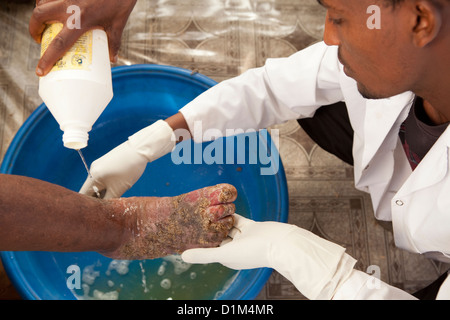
pixel 428 22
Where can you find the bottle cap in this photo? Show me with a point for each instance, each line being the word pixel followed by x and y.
pixel 75 139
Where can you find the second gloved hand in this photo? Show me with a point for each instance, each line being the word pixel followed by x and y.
pixel 118 170
pixel 316 267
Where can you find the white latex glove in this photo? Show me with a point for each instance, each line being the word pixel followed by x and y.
pixel 316 267
pixel 118 170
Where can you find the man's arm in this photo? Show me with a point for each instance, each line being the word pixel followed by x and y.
pixel 283 89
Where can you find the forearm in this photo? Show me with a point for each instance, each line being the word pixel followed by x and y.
pixel 302 259
pixel 239 104
pixel 37 215
pixel 178 124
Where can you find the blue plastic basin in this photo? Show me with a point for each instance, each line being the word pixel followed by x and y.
pixel 142 95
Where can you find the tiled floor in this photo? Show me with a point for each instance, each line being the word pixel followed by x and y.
pixel 221 39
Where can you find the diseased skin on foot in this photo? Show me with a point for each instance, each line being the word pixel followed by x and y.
pixel 170 225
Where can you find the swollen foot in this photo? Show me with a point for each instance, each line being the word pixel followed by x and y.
pixel 162 226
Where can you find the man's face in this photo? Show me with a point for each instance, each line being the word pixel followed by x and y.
pixel 381 60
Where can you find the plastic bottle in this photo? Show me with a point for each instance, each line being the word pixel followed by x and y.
pixel 79 87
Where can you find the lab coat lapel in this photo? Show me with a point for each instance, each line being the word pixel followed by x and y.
pixel 381 117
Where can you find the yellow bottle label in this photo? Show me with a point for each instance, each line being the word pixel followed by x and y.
pixel 78 57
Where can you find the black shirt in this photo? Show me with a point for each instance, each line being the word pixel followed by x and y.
pixel 418 134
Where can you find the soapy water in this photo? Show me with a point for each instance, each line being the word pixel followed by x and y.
pixel 160 279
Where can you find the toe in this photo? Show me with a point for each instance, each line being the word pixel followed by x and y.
pixel 221 193
pixel 220 211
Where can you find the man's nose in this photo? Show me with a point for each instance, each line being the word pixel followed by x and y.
pixel 330 36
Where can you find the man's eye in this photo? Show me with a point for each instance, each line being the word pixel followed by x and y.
pixel 335 21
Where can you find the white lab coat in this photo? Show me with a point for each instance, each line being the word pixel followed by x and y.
pixel 418 203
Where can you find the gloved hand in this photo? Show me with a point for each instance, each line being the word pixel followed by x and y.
pixel 314 265
pixel 119 169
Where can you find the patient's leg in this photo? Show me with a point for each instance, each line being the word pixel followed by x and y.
pixel 39 216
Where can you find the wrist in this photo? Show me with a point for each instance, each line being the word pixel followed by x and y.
pixel 280 247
